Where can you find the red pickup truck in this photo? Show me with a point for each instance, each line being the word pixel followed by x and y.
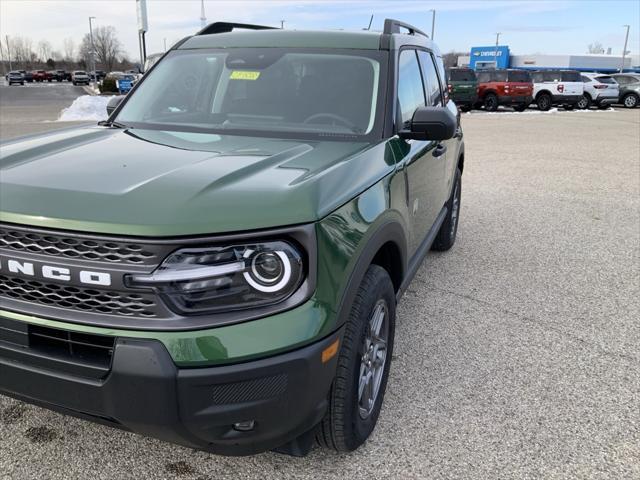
pixel 42 76
pixel 513 88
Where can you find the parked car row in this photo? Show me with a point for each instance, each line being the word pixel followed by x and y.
pixel 77 77
pixel 545 88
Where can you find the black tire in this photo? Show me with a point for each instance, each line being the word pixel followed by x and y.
pixel 343 427
pixel 630 100
pixel 520 108
pixel 585 102
pixel 491 102
pixel 544 102
pixel 449 229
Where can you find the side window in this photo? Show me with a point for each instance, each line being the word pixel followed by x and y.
pixel 410 91
pixel 586 79
pixel 431 82
pixel 622 80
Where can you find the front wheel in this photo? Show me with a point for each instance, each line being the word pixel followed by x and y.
pixel 630 100
pixel 356 395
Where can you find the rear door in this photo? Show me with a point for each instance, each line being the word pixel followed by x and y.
pixel 572 83
pixel 422 161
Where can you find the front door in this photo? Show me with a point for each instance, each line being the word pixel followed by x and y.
pixel 424 162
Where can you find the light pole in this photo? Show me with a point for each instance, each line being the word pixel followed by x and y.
pixel 433 22
pixel 93 50
pixel 8 52
pixel 281 24
pixel 624 50
pixel 495 53
pixel 165 44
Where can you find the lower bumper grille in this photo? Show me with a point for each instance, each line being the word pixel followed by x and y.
pixel 75 298
pixel 51 348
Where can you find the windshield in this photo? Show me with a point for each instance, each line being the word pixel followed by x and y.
pixel 260 90
pixel 462 75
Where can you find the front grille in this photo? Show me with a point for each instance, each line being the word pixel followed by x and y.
pixel 73 352
pixel 70 246
pixel 107 302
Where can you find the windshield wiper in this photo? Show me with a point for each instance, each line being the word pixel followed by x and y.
pixel 113 124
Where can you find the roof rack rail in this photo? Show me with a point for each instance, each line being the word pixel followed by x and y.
pixel 394 26
pixel 225 27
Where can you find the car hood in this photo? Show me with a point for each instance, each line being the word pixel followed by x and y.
pixel 160 183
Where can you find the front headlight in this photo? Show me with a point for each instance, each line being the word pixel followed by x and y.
pixel 208 280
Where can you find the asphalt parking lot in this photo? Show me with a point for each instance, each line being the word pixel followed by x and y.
pixel 517 352
pixel 31 108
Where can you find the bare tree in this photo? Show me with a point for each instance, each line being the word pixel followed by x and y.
pixel 451 59
pixel 595 47
pixel 44 50
pixel 69 49
pixel 107 47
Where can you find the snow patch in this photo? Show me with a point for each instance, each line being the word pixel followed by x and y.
pixel 538 112
pixel 86 107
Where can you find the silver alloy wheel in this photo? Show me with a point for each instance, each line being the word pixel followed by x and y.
pixel 455 208
pixel 582 103
pixel 373 359
pixel 630 101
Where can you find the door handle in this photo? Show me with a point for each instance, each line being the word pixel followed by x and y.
pixel 440 150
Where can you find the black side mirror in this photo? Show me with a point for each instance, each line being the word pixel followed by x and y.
pixel 113 104
pixel 431 123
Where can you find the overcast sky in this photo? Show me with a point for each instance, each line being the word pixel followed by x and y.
pixel 527 26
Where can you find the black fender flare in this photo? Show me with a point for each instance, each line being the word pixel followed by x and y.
pixel 388 231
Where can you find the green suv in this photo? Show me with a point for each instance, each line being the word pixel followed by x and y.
pixel 463 87
pixel 218 264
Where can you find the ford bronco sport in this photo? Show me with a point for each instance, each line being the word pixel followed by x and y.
pixel 218 264
pixel 557 87
pixel 511 88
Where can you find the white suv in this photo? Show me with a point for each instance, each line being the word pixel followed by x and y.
pixel 600 90
pixel 557 87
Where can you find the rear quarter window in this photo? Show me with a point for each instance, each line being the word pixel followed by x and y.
pixel 606 79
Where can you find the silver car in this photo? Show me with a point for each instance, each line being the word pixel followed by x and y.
pixel 80 76
pixel 599 90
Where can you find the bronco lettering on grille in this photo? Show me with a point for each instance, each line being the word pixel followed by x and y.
pixel 53 272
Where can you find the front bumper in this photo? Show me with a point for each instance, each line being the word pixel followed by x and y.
pixel 515 99
pixel 145 392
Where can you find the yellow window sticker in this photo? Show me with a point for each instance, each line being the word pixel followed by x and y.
pixel 244 75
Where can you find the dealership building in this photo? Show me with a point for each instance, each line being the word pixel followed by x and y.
pixel 485 57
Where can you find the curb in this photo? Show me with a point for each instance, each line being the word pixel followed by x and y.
pixel 90 90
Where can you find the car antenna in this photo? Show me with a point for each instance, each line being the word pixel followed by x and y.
pixel 370 22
